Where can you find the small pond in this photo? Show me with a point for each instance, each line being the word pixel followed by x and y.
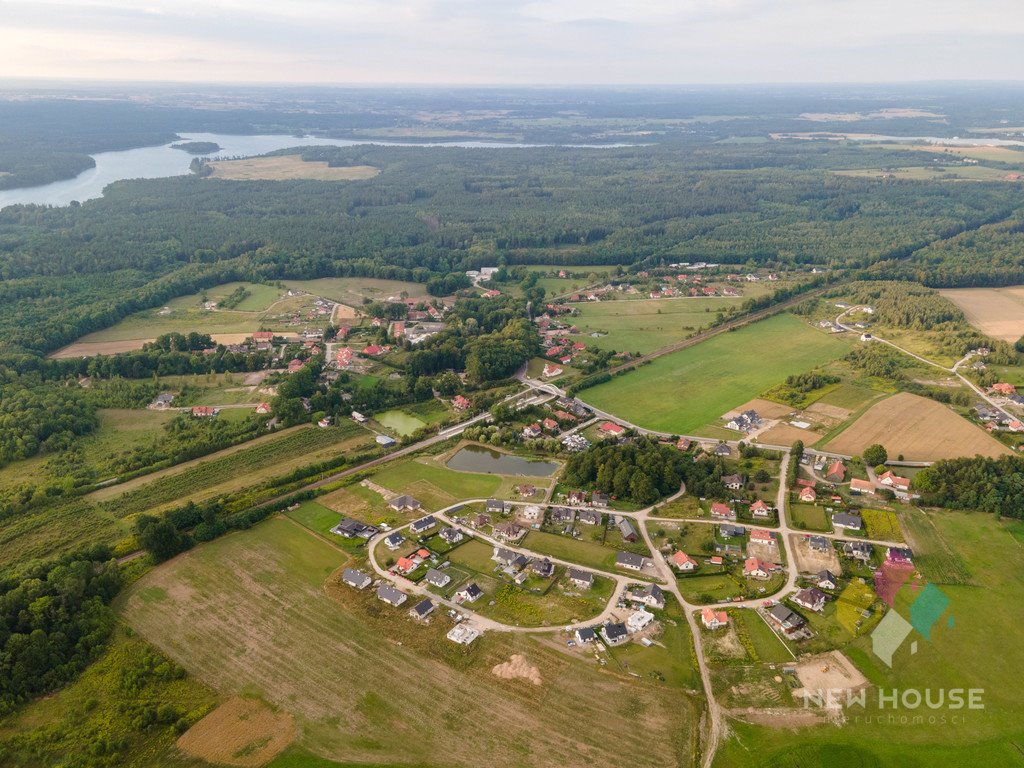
pixel 474 458
pixel 400 421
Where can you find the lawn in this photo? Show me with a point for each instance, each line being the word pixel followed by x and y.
pixel 960 654
pixel 262 611
pixel 434 485
pixel 762 639
pixel 586 553
pixel 809 517
pixel 317 518
pixel 561 604
pixel 647 324
pixel 710 588
pixel 685 390
pixel 352 290
pixel 670 659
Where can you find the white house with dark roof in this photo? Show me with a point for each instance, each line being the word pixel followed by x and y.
pixel 651 595
pixel 388 594
pixel 437 578
pixel 630 560
pixel 423 524
pixel 580 578
pixel 355 578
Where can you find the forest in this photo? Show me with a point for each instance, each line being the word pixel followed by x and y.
pixel 985 484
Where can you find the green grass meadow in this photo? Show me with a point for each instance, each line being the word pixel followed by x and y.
pixel 685 390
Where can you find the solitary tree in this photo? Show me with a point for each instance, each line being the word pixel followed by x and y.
pixel 875 454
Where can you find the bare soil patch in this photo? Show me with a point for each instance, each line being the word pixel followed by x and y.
pixel 241 731
pixel 767 552
pixel 517 668
pixel 288 167
pixel 917 428
pixel 810 561
pixel 996 312
pixel 787 434
pixel 726 644
pixel 92 348
pixel 343 312
pixel 829 671
pixel 766 409
pixel 830 411
pixel 779 718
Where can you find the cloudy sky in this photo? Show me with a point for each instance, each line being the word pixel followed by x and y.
pixel 513 41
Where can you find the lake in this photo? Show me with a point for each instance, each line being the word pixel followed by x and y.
pixel 400 421
pixel 474 458
pixel 162 162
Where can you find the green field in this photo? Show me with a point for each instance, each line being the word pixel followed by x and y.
pixel 588 553
pixel 434 485
pixel 685 390
pixel 960 655
pixel 263 612
pixel 765 643
pixel 644 325
pixel 352 290
pixel 809 517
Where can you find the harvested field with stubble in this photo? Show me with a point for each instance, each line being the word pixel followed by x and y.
pixel 996 312
pixel 919 429
pixel 262 612
pixel 243 732
pixel 287 167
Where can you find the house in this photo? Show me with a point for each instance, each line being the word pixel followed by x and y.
pixel 731 531
pixel 712 619
pixel 422 609
pixel 358 418
pixel 590 517
pixel 638 621
pixel 562 515
pixel 423 524
pixel 372 350
pixel 404 504
pixel 808 494
pixel 627 530
pixel 599 499
pixel 721 511
pixel 859 550
pixel 437 578
pixel 836 472
pixel 761 536
pixel 504 556
pixel 463 634
pixel 526 490
pixel 544 568
pixel 576 498
pixel 716 560
pixel 479 521
pixel 722 449
pixel 899 556
pixel 204 411
pixel 826 579
pixel 753 568
pixel 549 425
pixel 611 429
pixel 162 401
pixel 324 422
pixel 508 531
pixel 451 535
pixel 683 562
pixel 581 579
pixel 614 634
pixel 651 595
pixel 491 294
pixel 385 441
pixel 394 541
pixel 812 599
pixel 630 560
pixel 532 431
pixel 531 513
pixel 550 371
pixel 818 543
pixel 495 506
pixel 461 404
pixel 683 443
pixel 846 521
pixel 887 478
pixel 1002 388
pixel 469 594
pixel 747 421
pixel 785 619
pixel 861 486
pixel 355 578
pixel 760 510
pixel 262 337
pixel 352 529
pixel 390 595
pixel 733 482
pixel 585 635
pixel 406 565
pixel 295 365
pixel 263 408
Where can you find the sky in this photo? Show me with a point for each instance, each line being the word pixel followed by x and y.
pixel 513 41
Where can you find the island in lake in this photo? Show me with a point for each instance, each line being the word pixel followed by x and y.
pixel 197 147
